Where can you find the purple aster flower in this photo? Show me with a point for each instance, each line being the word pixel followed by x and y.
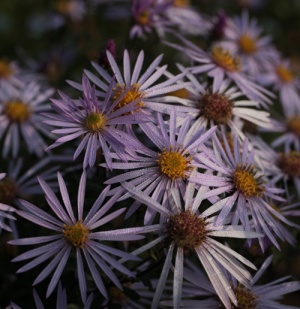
pixel 222 106
pixel 21 182
pixel 242 36
pixel 10 74
pixel 134 85
pixel 154 171
pixel 21 120
pixel 79 234
pixel 282 78
pixel 95 122
pixel 148 15
pixel 184 229
pixel 220 64
pixel 258 296
pixel 239 175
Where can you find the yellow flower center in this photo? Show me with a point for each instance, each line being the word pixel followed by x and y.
pixel 5 69
pixel 174 164
pixel 293 125
pixel 247 44
pixel 95 122
pixel 216 107
pixel 284 74
pixel 290 163
pixel 187 230
pixel 245 298
pixel 224 59
pixel 180 93
pixel 8 191
pixel 16 111
pixel 76 234
pixel 245 181
pixel 143 18
pixel 131 95
pixel 181 3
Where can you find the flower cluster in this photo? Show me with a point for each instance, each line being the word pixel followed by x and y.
pixel 152 181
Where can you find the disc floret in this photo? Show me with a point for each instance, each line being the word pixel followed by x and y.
pixel 290 163
pixel 224 59
pixel 216 107
pixel 174 163
pixel 247 44
pixel 284 74
pixel 16 111
pixel 187 230
pixel 131 95
pixel 245 181
pixel 245 298
pixel 76 234
pixel 95 122
pixel 8 191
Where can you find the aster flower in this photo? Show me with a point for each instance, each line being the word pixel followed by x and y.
pixel 148 15
pixel 257 296
pixel 281 167
pixel 187 230
pixel 186 18
pixel 221 106
pixel 10 74
pixel 21 120
pixel 154 171
pixel 95 122
pixel 243 36
pixel 134 85
pixel 240 176
pixel 75 233
pixel 281 77
pixel 18 183
pixel 220 64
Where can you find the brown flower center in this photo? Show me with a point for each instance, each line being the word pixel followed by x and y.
pixel 247 44
pixel 215 107
pixel 290 163
pixel 293 125
pixel 16 111
pixel 187 230
pixel 245 181
pixel 8 191
pixel 174 164
pixel 245 298
pixel 76 234
pixel 224 59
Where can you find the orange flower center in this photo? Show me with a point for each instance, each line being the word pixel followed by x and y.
pixel 247 44
pixel 16 111
pixel 76 234
pixel 224 59
pixel 284 74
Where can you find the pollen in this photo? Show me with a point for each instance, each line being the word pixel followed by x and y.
pixel 8 191
pixel 247 44
pixel 245 298
pixel 181 3
pixel 224 59
pixel 131 95
pixel 95 122
pixel 16 111
pixel 5 69
pixel 245 181
pixel 143 18
pixel 76 234
pixel 290 163
pixel 174 164
pixel 293 125
pixel 215 107
pixel 187 230
pixel 284 74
